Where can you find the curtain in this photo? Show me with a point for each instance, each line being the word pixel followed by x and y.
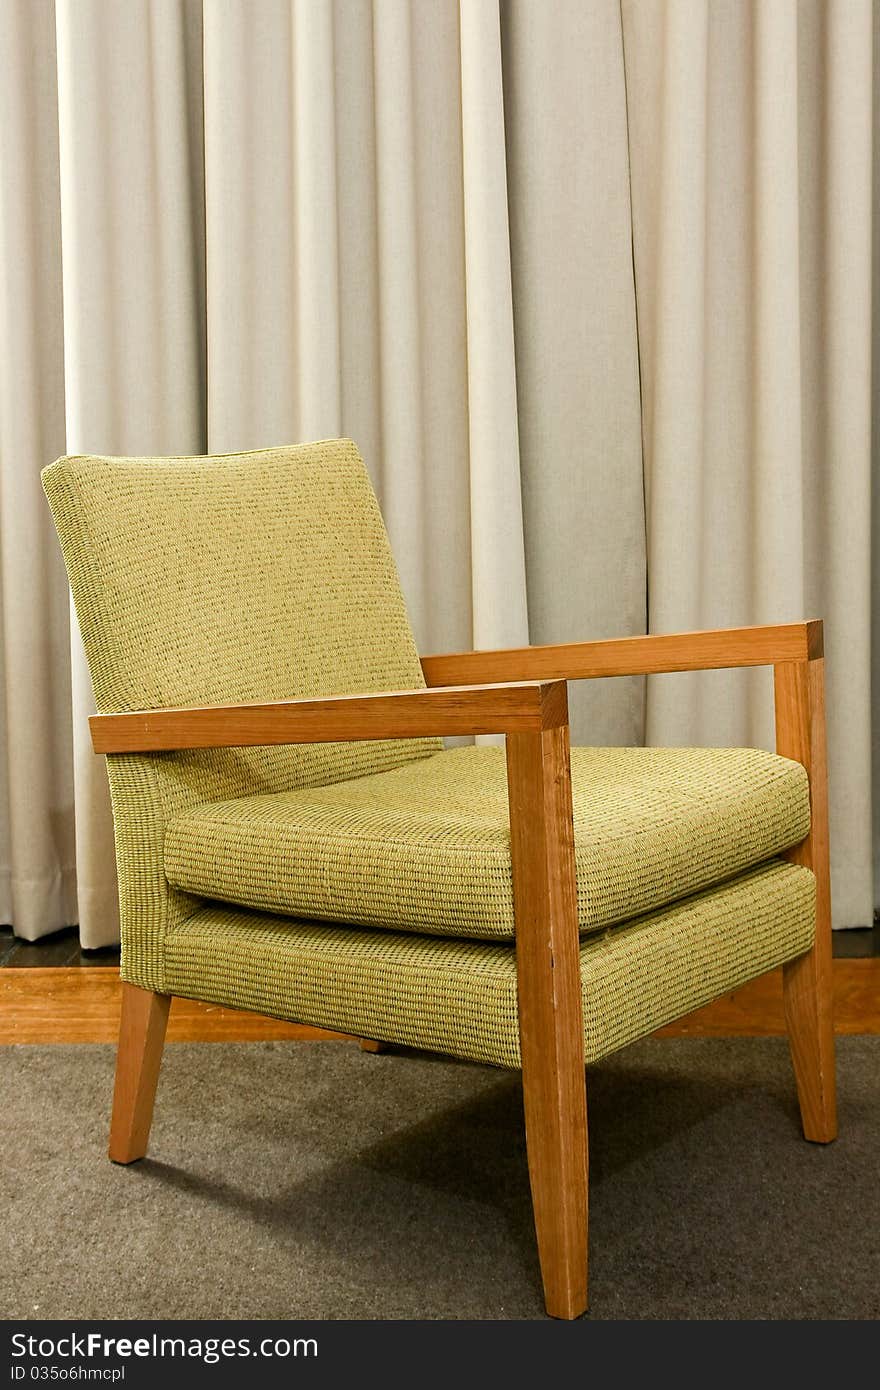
pixel 750 149
pixel 37 858
pixel 588 285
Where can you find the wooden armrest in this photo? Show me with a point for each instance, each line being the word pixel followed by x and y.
pixel 631 656
pixel 463 709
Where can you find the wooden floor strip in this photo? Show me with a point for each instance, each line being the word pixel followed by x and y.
pixel 756 1009
pixel 81 1005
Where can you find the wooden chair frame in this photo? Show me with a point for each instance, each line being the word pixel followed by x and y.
pixel 523 694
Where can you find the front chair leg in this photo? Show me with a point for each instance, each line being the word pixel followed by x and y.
pixel 807 981
pixel 139 1056
pixel 550 1011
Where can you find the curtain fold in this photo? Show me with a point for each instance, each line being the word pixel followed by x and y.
pixel 37 873
pixel 588 284
pixel 498 576
pixel 835 102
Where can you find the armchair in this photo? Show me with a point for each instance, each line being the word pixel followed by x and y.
pixel 292 837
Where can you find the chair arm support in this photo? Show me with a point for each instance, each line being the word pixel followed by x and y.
pixel 461 709
pixel 632 656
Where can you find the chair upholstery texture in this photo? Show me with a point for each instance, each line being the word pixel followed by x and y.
pixel 459 997
pixel 425 847
pixel 257 576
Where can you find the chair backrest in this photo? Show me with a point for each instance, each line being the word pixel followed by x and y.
pixel 263 575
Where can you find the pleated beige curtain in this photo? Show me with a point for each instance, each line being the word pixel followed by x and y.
pixel 750 148
pixel 37 857
pixel 457 233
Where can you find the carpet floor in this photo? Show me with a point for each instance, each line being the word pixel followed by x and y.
pixel 311 1180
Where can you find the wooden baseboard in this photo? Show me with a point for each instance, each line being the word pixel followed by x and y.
pixel 756 1010
pixel 81 1005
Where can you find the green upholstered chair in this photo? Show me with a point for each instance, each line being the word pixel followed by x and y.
pixel 293 838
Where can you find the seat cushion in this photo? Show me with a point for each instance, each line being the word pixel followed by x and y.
pixel 426 847
pixel 459 996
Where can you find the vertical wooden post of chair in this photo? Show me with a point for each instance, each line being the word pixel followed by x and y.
pixel 138 1058
pixel 807 981
pixel 550 1011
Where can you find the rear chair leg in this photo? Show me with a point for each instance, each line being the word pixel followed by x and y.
pixel 811 1039
pixel 138 1058
pixel 807 981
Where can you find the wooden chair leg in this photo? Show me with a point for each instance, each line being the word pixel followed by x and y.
pixel 139 1056
pixel 550 1011
pixel 807 981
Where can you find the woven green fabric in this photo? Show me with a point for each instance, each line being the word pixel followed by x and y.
pixel 459 997
pixel 426 847
pixel 254 576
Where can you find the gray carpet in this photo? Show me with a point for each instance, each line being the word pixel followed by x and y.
pixel 317 1181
